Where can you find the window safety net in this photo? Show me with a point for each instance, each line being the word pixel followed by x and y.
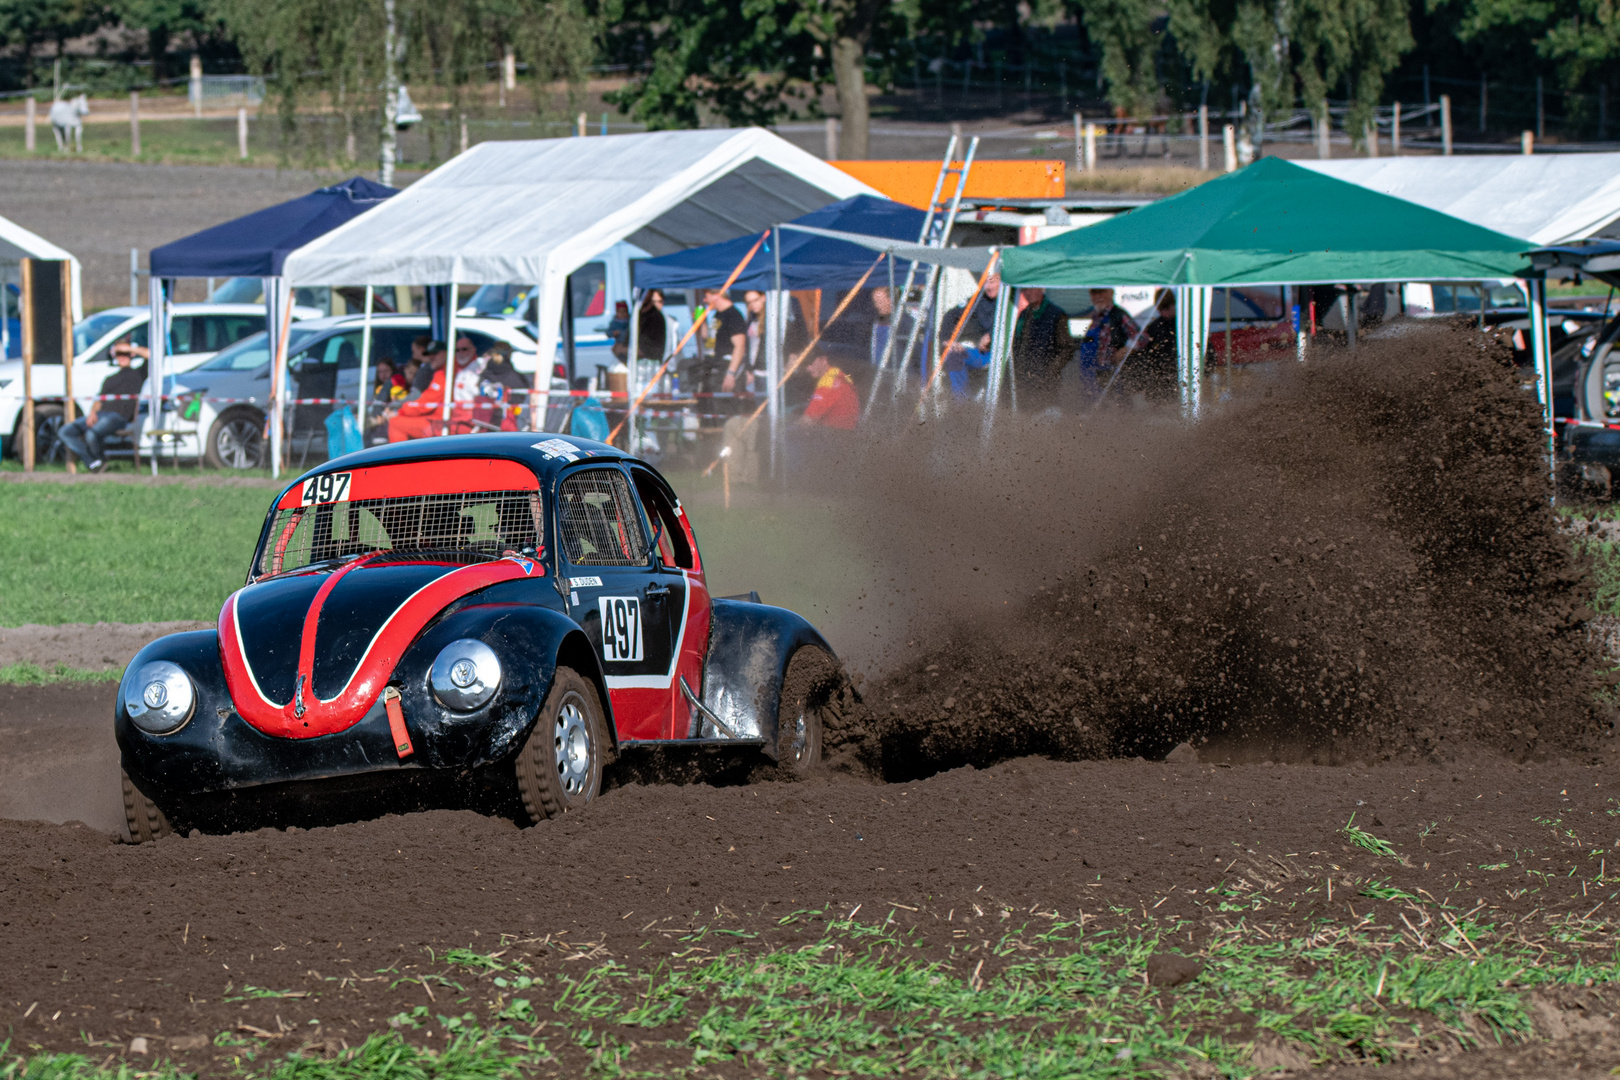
pixel 598 520
pixel 483 524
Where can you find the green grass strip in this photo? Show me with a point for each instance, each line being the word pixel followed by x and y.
pixel 25 673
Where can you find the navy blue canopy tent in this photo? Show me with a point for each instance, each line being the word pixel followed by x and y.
pixel 808 261
pixel 256 244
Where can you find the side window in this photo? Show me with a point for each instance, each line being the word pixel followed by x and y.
pixel 226 330
pixel 597 520
pixel 588 290
pixel 672 545
pixel 181 335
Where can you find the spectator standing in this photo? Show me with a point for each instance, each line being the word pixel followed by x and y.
pixel 1041 348
pixel 966 363
pixel 754 304
pixel 834 403
pixel 618 328
pixel 1152 364
pixel 85 435
pixel 1103 344
pixel 652 335
pixel 730 350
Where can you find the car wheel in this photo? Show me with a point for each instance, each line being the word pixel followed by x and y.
pixel 47 430
pixel 236 441
pixel 806 687
pixel 560 765
pixel 142 818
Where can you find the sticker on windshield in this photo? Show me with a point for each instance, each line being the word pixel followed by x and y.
pixel 621 628
pixel 333 487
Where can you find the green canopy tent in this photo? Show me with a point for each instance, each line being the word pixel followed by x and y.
pixel 1272 223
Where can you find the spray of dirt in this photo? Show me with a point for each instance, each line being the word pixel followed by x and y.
pixel 1353 559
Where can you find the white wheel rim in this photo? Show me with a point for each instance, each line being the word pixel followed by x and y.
pixel 572 741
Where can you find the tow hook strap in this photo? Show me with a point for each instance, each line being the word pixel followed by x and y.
pixel 396 723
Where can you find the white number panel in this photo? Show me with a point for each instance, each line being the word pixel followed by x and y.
pixel 333 487
pixel 621 628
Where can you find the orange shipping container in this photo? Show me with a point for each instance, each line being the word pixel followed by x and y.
pixel 912 182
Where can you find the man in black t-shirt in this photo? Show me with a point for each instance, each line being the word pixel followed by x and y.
pixel 730 341
pixel 103 418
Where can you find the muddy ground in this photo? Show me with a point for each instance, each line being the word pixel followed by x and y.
pixel 1347 591
pixel 109 942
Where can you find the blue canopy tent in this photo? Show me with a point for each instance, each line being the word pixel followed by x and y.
pixel 807 261
pixel 256 245
pixel 798 254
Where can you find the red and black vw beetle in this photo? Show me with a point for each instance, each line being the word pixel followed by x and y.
pixel 490 612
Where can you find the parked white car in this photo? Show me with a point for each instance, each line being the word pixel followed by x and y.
pixel 197 332
pixel 221 406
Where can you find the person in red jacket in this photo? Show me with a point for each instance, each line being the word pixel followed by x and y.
pixel 834 403
pixel 422 416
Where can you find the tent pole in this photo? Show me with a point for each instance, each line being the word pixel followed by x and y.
pixel 450 353
pixel 278 373
pixel 632 440
pixel 1353 307
pixel 998 359
pixel 775 309
pixel 362 391
pixel 1535 291
pixel 157 338
pixel 1299 325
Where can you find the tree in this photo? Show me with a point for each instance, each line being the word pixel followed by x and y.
pixel 31 23
pixel 164 21
pixel 355 53
pixel 753 61
pixel 1131 35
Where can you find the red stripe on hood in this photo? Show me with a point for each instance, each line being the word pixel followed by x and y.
pixel 376 666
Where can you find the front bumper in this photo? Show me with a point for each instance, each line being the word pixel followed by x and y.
pixel 217 752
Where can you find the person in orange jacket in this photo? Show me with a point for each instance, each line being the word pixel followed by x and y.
pixel 834 403
pixel 422 417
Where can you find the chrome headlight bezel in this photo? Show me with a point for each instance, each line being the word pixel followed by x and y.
pixel 465 675
pixel 161 698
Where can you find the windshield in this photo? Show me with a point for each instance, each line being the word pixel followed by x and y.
pixel 253 352
pixel 481 524
pixel 86 332
pixel 239 290
pixel 501 300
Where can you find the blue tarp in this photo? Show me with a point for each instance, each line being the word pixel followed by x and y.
pixel 256 245
pixel 808 261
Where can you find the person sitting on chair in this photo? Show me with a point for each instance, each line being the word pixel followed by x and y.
pixel 84 436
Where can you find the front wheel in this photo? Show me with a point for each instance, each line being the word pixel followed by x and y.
pixel 560 766
pixel 142 817
pixel 236 441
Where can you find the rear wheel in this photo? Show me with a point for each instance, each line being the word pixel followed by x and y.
pixel 560 766
pixel 235 440
pixel 811 677
pixel 142 817
pixel 47 430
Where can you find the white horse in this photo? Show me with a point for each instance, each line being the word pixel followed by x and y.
pixel 67 122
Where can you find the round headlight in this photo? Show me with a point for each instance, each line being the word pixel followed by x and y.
pixel 465 675
pixel 160 697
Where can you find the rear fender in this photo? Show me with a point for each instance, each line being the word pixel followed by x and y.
pixel 749 649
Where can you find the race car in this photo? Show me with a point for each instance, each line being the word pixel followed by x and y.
pixel 508 612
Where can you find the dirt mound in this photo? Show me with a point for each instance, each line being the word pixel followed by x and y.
pixel 1351 559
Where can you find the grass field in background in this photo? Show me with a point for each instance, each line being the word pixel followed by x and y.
pixel 131 551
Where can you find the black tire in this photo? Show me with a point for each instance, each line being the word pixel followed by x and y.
pixel 560 766
pixel 47 445
pixel 142 817
pixel 235 440
pixel 810 679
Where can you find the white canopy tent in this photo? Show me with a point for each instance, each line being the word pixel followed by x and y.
pixel 1545 198
pixel 16 244
pixel 535 211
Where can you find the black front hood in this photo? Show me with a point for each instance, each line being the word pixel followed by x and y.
pixel 271 617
